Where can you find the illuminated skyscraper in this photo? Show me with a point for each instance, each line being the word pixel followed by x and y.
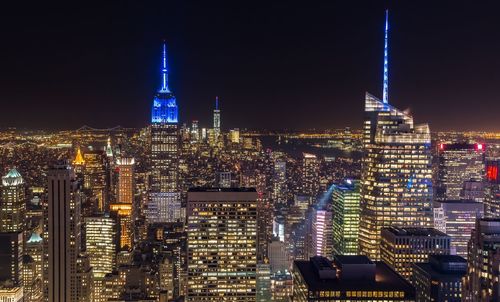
pixel 195 132
pixel 458 164
pixel 492 189
pixel 32 269
pixel 310 176
pixel 63 240
pixel 222 244
pixel 100 244
pixel 322 237
pixel 482 280
pixel 279 184
pixel 457 219
pixel 13 203
pixel 402 247
pixel 396 176
pixel 235 136
pixel 345 208
pixel 123 208
pixel 264 225
pixel 164 203
pixel 95 178
pixel 217 119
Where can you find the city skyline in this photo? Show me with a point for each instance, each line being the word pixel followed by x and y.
pixel 249 65
pixel 243 203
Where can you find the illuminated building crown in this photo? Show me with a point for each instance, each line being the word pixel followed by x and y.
pixel 164 104
pixel 13 178
pixel 79 158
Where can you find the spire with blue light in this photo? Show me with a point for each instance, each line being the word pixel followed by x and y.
pixel 164 70
pixel 385 92
pixel 164 104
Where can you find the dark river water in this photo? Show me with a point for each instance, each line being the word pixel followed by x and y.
pixel 295 147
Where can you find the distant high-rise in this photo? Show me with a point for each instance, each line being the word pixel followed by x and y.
pixel 310 175
pixel 482 280
pixel 123 208
pixel 279 183
pixel 63 240
pixel 217 118
pixel 345 208
pixel 96 178
pixel 458 164
pixel 457 218
pixel 402 247
pixel 492 189
pixel 222 244
pixel 264 226
pixel 100 244
pixel 164 203
pixel 13 203
pixel 322 237
pixel 195 132
pixel 396 175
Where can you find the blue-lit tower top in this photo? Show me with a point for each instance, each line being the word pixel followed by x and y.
pixel 164 104
pixel 385 92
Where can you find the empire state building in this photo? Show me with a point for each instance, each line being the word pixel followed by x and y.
pixel 164 203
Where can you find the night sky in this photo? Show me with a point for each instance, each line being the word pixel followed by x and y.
pixel 273 65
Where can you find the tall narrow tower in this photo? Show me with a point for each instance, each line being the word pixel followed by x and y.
pixel 123 209
pixel 13 203
pixel 164 198
pixel 63 241
pixel 216 118
pixel 396 174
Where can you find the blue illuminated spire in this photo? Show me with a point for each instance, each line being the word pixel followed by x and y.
pixel 164 108
pixel 216 103
pixel 385 92
pixel 164 71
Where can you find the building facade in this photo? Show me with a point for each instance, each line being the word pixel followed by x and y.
pixel 322 232
pixel 400 248
pixel 123 209
pixel 345 208
pixel 13 203
pixel 348 278
pixel 100 244
pixel 492 189
pixel 11 258
pixel 457 219
pixel 440 279
pixel 310 175
pixel 482 279
pixel 63 240
pixel 458 164
pixel 222 244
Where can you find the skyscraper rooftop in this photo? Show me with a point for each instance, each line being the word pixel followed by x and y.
pixel 12 178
